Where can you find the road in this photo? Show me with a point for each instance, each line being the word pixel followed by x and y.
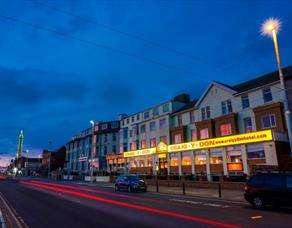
pixel 56 204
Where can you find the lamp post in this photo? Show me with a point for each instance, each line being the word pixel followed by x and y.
pixel 92 150
pixel 270 28
pixel 27 161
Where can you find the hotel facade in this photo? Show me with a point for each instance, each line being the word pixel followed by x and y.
pixel 229 131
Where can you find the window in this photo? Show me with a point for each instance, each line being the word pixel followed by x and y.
pixel 289 181
pixel 194 135
pixel 133 146
pixel 153 142
pixel 273 180
pixel 137 117
pixel 179 120
pixel 105 138
pixel 163 139
pixel 267 95
pixel 125 133
pixel 156 111
pixel 114 149
pixel 192 116
pixel 114 137
pixel 177 138
pixel 152 126
pixel 143 128
pixel 206 113
pixel 143 144
pixel 133 119
pixel 247 124
pixel 226 107
pixel 128 121
pixel 255 151
pixel 131 133
pixel 137 144
pixel 245 101
pixel 125 147
pixel 225 129
pixel 162 124
pixel 268 121
pixel 104 126
pixel 105 150
pixel 204 133
pixel 146 115
pixel 115 125
pixel 165 108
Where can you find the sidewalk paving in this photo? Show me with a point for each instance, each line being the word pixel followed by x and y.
pixel 226 194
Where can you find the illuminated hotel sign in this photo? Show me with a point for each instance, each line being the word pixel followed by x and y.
pixel 260 136
pixel 253 137
pixel 134 153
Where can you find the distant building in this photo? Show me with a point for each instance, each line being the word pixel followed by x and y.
pixel 53 160
pixel 79 148
pixel 26 166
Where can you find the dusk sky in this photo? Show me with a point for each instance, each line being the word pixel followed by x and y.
pixel 65 62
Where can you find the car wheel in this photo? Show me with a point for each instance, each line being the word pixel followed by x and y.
pixel 257 202
pixel 117 188
pixel 130 189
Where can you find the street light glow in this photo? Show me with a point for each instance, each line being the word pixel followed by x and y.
pixel 270 25
pixel 91 122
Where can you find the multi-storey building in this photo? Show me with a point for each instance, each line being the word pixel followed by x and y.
pixel 146 129
pixel 229 130
pixel 79 148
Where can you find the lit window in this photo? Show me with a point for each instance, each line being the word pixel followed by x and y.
pixel 204 133
pixel 216 156
pixel 268 121
pixel 225 129
pixel 194 135
pixel 177 138
pixel 267 95
pixel 133 145
pixel 163 139
pixel 173 159
pixel 255 151
pixel 143 144
pixel 226 107
pixel 245 101
pixel 153 142
pixel 200 158
pixel 187 158
pixel 152 126
pixel 247 124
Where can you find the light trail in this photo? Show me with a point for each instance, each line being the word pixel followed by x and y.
pixel 133 206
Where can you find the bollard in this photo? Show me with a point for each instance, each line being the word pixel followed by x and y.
pixel 157 186
pixel 184 188
pixel 219 191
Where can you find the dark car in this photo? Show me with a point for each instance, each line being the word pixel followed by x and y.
pixel 269 189
pixel 130 183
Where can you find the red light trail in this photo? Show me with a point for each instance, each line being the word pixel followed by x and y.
pixel 133 206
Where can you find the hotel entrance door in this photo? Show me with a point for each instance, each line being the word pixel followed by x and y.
pixel 162 166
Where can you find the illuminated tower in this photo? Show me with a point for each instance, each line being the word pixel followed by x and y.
pixel 20 144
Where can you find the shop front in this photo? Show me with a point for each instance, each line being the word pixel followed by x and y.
pixel 210 158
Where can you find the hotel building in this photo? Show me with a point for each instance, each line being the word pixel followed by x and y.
pixel 228 131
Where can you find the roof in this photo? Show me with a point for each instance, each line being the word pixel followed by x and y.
pixel 187 106
pixel 262 80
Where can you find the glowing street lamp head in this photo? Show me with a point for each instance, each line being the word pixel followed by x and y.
pixel 270 25
pixel 91 122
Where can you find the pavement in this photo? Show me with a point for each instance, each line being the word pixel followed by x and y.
pixel 42 203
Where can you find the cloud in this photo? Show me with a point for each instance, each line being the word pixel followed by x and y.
pixel 33 86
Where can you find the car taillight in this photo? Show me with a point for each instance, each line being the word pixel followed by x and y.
pixel 245 188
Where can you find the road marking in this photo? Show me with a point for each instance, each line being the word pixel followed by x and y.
pixel 200 203
pixel 257 217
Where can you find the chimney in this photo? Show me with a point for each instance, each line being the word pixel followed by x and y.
pixel 184 98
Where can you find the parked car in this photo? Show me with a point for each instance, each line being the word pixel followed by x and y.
pixel 269 189
pixel 130 183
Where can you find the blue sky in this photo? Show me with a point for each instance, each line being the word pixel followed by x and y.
pixel 63 63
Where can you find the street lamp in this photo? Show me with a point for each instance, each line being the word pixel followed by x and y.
pixel 92 150
pixel 270 28
pixel 27 160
